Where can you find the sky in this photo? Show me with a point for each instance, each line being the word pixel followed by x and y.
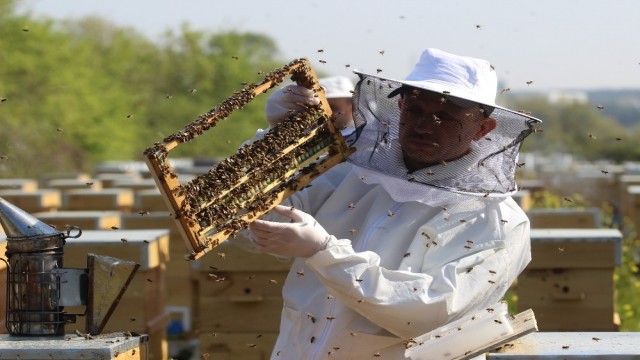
pixel 550 44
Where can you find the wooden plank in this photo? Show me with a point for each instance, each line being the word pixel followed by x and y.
pixel 571 345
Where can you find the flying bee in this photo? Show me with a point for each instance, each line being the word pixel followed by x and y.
pixel 378 71
pixel 497 321
pixel 491 282
pixel 600 107
pixel 479 27
pixel 390 213
pixel 114 227
pixel 320 50
pixel 504 221
pixel 407 254
pixel 272 281
pixel 505 90
pixel 347 65
pixel 234 57
pixel 591 136
pixel 520 164
pixel 605 172
pixel 529 82
pixel 381 52
pixel 322 61
pixel 492 272
pixel 123 240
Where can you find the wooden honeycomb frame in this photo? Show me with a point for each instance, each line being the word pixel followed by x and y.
pixel 215 206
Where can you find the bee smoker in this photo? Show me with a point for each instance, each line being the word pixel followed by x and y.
pixel 38 287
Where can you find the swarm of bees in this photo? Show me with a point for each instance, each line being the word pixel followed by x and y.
pixel 218 204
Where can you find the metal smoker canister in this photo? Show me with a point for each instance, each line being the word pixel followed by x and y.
pixel 34 250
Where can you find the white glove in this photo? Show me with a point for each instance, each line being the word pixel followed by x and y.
pixel 291 97
pixel 302 237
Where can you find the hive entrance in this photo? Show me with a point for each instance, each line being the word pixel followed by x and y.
pixel 216 205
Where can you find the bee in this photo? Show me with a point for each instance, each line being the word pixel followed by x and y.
pixel 123 240
pixel 600 107
pixel 363 178
pixel 425 234
pixel 492 272
pixel 351 206
pixel 330 318
pixel 353 334
pixel 462 221
pixel 377 354
pixel 4 157
pixel 273 281
pixel 222 255
pixel 313 339
pixel 252 345
pixel 168 96
pixel 353 231
pixel 591 136
pixel 567 199
pixel 467 247
pixel 320 50
pixel 114 228
pixel 390 213
pixel 479 27
pixel 89 183
pixel 490 310
pixel 378 71
pixel 529 82
pixel 565 347
pixel 491 282
pixel 234 57
pixel 595 338
pixel 618 139
pixel 145 241
pixel 504 221
pixel 434 243
pixel 520 164
pixel 322 61
pixel 3 99
pixel 497 321
pixel 60 130
pixel 505 90
pixel 407 254
pixel 605 172
pixel 359 280
pixel 149 280
pixel 381 52
pixel 347 65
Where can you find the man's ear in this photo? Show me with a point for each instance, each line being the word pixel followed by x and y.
pixel 486 127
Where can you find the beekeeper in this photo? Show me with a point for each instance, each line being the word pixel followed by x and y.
pixel 416 229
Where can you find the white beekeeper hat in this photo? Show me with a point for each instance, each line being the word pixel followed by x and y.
pixel 337 87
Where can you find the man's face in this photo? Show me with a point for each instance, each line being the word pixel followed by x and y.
pixel 342 111
pixel 434 130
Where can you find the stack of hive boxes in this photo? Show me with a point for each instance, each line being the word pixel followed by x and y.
pixel 569 283
pixel 238 302
pixel 142 307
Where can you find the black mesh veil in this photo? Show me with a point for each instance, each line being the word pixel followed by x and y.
pixel 486 166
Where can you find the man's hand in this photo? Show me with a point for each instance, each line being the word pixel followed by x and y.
pixel 302 237
pixel 291 97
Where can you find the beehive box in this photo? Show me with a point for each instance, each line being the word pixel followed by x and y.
pixel 33 201
pixel 43 180
pixel 108 346
pixel 71 184
pixel 178 279
pixel 85 220
pixel 105 199
pixel 569 283
pixel 150 200
pixel 565 218
pixel 142 307
pixel 631 208
pixel 18 184
pixel 237 346
pixel 134 184
pixel 523 199
pixel 238 291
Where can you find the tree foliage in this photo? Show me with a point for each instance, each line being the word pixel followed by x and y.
pixel 75 93
pixel 79 92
